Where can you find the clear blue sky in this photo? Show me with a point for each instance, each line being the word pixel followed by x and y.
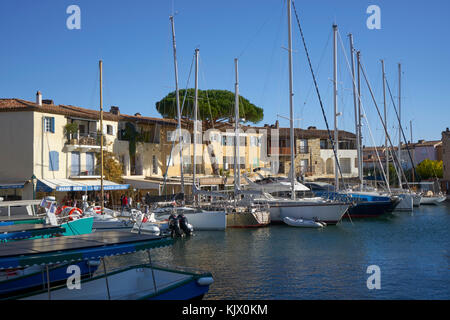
pixel 133 38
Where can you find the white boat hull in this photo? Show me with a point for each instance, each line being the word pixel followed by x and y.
pixel 202 221
pixel 406 203
pixel 329 213
pixel 432 200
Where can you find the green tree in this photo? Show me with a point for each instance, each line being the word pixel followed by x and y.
pixel 214 106
pixel 112 168
pixel 430 169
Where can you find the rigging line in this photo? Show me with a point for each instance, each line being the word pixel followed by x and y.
pixel 363 109
pixel 401 129
pixel 384 126
pixel 277 36
pixel 173 142
pixel 318 67
pixel 254 36
pixel 206 92
pixel 319 97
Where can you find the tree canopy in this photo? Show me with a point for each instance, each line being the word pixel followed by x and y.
pixel 430 169
pixel 213 106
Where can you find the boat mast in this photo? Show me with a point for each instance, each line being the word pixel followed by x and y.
pixel 291 103
pixel 386 148
pixel 336 137
pixel 237 165
pixel 410 129
pixel 360 164
pixel 178 103
pixel 102 202
pixel 357 114
pixel 194 185
pixel 399 124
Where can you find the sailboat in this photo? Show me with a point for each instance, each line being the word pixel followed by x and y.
pixel 198 217
pixel 316 208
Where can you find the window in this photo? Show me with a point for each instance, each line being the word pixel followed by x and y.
pixel 49 124
pixel 109 129
pixel 154 165
pixel 345 164
pixel 171 136
pixel 323 144
pixel 54 161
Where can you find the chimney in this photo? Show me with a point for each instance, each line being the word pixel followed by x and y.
pixel 137 114
pixel 312 128
pixel 39 98
pixel 114 110
pixel 277 124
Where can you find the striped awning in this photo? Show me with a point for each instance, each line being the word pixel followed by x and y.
pixel 64 185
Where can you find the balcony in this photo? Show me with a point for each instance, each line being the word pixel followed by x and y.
pixel 83 142
pixel 282 151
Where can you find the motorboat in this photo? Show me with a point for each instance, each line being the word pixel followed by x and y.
pixel 303 223
pixel 135 282
pixel 107 219
pixel 199 218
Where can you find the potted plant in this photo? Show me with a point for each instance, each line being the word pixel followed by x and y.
pixel 71 129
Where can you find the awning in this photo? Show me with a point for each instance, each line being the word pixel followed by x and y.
pixel 64 185
pixel 10 185
pixel 142 183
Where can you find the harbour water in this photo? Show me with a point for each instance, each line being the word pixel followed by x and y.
pixel 282 262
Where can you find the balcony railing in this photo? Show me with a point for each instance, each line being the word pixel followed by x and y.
pixel 84 139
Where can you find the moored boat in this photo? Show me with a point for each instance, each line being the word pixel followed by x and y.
pixel 303 223
pixel 143 281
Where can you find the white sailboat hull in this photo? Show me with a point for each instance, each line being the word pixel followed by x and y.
pixel 329 213
pixel 406 203
pixel 432 200
pixel 202 221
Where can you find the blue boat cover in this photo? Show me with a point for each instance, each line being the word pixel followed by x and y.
pixel 75 248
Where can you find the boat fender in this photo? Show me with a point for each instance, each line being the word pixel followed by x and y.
pixel 205 281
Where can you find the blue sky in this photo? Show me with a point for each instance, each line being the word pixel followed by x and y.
pixel 133 38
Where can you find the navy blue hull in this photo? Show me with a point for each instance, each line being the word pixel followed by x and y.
pixel 371 209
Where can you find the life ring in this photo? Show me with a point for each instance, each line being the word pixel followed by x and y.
pixel 98 209
pixel 145 219
pixel 75 212
pixel 60 209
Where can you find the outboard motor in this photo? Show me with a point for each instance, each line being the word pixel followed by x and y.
pixel 184 225
pixel 174 226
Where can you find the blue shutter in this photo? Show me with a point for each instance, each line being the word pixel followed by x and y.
pixel 75 165
pixel 52 124
pixel 54 160
pixel 90 163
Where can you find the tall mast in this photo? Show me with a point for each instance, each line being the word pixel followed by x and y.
pixel 410 129
pixel 237 165
pixel 399 123
pixel 194 185
pixel 336 137
pixel 102 201
pixel 178 104
pixel 386 148
pixel 357 115
pixel 291 103
pixel 360 166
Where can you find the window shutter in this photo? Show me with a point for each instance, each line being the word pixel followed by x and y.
pixel 54 161
pixel 52 124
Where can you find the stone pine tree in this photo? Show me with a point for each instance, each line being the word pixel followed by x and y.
pixel 214 107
